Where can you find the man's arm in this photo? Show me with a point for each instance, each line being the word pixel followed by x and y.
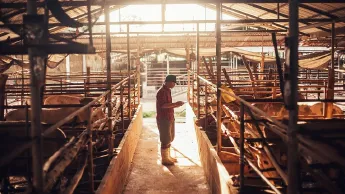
pixel 173 105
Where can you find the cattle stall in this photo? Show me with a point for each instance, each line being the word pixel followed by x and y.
pixel 80 143
pixel 252 144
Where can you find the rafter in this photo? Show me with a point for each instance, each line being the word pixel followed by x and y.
pixel 254 17
pixel 318 11
pixel 283 15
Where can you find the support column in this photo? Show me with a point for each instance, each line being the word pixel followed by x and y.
pixel 340 74
pixel 188 64
pixel 68 67
pixel 331 76
pixel 108 61
pixel 198 69
pixel 138 70
pixel 291 83
pixel 129 74
pixel 84 64
pixel 3 79
pixel 168 65
pixel 219 100
pixel 35 25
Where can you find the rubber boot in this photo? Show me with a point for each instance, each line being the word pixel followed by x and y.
pixel 165 157
pixel 170 157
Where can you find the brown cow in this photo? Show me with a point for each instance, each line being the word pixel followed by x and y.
pixel 317 109
pixel 65 99
pixel 303 110
pixel 53 115
pixel 97 113
pixel 50 116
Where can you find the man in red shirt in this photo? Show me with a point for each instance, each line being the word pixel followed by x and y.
pixel 165 118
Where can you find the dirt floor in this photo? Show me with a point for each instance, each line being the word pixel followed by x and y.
pixel 149 176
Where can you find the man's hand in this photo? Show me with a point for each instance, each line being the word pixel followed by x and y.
pixel 179 103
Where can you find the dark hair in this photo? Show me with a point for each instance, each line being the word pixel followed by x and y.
pixel 170 78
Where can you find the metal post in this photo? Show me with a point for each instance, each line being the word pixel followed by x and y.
pixel 168 65
pixel 206 103
pixel 89 20
pixel 129 75
pixel 84 64
pixel 339 67
pixel 22 85
pixel 108 61
pixel 37 59
pixel 163 15
pixel 68 67
pixel 198 69
pixel 88 72
pixel 293 164
pixel 121 109
pixel 242 149
pixel 188 80
pixel 138 75
pixel 219 100
pixel 331 76
pixel 3 79
pixel 90 150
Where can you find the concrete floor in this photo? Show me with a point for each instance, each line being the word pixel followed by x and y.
pixel 149 176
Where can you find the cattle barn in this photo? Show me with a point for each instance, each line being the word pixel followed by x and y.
pixel 195 96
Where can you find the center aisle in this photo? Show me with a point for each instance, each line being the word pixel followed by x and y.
pixel 148 175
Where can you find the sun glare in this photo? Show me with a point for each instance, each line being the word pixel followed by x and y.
pixel 175 12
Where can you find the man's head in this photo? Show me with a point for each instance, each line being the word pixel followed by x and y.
pixel 170 81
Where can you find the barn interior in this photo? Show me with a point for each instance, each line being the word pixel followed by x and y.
pixel 263 82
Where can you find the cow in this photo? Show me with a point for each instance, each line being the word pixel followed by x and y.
pixel 53 115
pixel 317 109
pixel 303 110
pixel 66 99
pixel 97 113
pixel 27 100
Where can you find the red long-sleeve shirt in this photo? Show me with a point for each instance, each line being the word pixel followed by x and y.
pixel 164 96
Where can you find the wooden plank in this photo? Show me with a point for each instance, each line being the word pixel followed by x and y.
pixel 115 178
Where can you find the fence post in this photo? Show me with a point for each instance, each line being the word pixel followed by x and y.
pixel 88 80
pixel 242 149
pixel 90 167
pixel 121 109
pixel 3 79
pixel 206 103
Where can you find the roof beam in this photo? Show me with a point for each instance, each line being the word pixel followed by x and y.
pixel 254 17
pixel 338 31
pixel 284 15
pixel 330 11
pixel 131 2
pixel 241 21
pixel 14 13
pixel 318 11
